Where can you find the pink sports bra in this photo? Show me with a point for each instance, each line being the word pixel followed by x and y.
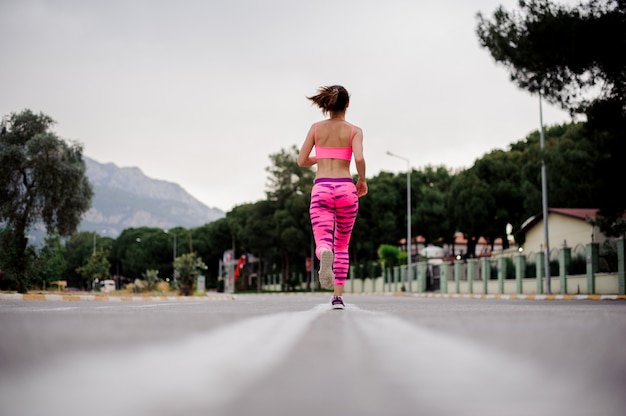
pixel 324 152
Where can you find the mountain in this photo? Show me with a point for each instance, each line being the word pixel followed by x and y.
pixel 126 198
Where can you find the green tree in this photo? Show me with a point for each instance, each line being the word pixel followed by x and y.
pixel 501 171
pixel 570 156
pixel 289 187
pixel 188 268
pixel 51 262
pixel 573 56
pixel 151 277
pixel 96 269
pixel 389 255
pixel 238 220
pixel 42 180
pixel 382 216
pixel 138 249
pixel 473 205
pixel 257 232
pixel 562 51
pixel 8 251
pixel 286 177
pixel 78 249
pixel 430 213
pixel 293 230
pixel 216 237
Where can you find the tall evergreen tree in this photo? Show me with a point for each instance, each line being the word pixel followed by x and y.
pixel 42 180
pixel 573 57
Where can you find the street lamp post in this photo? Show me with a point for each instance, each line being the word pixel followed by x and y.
pixel 95 234
pixel 173 254
pixel 174 259
pixel 408 219
pixel 544 200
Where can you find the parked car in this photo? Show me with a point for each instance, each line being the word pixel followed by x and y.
pixel 107 286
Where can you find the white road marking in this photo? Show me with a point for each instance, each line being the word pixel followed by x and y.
pixel 48 309
pixel 158 305
pixel 441 374
pixel 448 375
pixel 194 374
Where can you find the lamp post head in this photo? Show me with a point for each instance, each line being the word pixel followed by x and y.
pixel 399 157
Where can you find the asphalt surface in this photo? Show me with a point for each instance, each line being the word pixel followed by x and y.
pixel 290 354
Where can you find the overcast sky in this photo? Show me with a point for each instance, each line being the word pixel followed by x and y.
pixel 201 92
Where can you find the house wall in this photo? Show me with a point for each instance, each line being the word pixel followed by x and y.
pixel 561 228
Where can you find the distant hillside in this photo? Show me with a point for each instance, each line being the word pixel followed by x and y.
pixel 125 198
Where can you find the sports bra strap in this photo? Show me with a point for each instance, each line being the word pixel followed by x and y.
pixel 351 135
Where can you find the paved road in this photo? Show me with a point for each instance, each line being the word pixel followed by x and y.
pixel 291 355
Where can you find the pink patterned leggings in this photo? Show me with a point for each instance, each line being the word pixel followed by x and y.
pixel 333 210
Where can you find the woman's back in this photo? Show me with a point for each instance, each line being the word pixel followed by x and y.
pixel 334 133
pixel 333 144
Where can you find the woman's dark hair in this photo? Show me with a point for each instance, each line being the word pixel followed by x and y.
pixel 331 99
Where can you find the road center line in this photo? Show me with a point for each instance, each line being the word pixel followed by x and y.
pixel 158 305
pixel 449 375
pixel 204 371
pixel 49 309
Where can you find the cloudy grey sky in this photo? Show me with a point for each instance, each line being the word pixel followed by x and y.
pixel 201 92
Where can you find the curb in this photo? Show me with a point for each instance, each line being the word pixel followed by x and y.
pixel 107 298
pixel 223 297
pixel 511 296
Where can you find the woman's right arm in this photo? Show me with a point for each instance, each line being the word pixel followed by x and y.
pixel 359 161
pixel 304 157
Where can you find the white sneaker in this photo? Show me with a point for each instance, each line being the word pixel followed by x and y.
pixel 337 302
pixel 326 275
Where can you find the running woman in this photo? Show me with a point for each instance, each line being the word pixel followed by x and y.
pixel 334 197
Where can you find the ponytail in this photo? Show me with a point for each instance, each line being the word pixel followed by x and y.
pixel 332 99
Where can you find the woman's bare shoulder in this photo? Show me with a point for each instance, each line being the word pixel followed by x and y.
pixel 357 130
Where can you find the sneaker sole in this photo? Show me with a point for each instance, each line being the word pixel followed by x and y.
pixel 327 277
pixel 338 307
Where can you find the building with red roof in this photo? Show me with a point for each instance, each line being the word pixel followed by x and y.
pixel 567 227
